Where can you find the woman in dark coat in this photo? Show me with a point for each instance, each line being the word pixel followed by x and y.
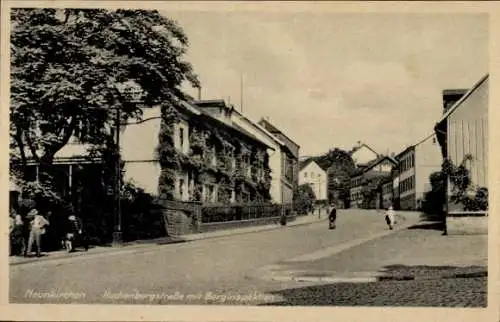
pixel 332 217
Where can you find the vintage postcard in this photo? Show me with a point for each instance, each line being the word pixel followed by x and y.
pixel 249 161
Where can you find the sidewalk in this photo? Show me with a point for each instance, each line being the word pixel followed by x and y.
pixel 408 254
pixel 148 244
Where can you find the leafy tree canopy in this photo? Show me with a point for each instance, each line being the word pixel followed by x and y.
pixel 304 198
pixel 340 166
pixel 72 69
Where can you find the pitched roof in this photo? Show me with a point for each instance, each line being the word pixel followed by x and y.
pixel 356 148
pixel 231 125
pixel 373 164
pixel 411 147
pixel 304 163
pixel 260 127
pixel 273 129
pixel 463 98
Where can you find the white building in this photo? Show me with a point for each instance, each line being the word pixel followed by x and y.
pixel 362 154
pixel 312 174
pixel 416 163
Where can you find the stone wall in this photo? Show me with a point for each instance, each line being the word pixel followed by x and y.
pixel 209 227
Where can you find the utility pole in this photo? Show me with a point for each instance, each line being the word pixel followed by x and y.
pixel 117 233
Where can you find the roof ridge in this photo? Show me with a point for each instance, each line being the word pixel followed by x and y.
pixel 464 97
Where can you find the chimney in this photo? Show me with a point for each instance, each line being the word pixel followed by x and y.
pixel 451 96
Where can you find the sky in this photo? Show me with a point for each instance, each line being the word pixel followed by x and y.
pixel 332 79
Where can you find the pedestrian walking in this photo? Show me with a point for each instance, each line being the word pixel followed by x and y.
pixel 37 229
pixel 332 217
pixel 390 217
pixel 74 234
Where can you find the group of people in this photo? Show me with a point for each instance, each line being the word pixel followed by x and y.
pixel 28 232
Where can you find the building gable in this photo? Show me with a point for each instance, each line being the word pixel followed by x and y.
pixel 314 167
pixel 363 154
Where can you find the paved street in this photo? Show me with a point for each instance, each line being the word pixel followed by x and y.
pixel 225 271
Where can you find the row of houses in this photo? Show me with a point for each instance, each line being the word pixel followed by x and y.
pixel 402 180
pixel 224 157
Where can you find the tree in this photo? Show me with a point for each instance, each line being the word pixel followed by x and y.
pixel 463 191
pixel 371 188
pixel 435 199
pixel 73 70
pixel 304 198
pixel 340 166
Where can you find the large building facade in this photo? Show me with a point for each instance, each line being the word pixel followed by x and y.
pixel 463 130
pixel 415 165
pixel 282 152
pixel 289 158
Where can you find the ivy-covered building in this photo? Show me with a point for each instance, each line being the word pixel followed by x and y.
pixel 282 151
pixel 197 155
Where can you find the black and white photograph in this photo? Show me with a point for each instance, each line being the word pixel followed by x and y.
pixel 162 155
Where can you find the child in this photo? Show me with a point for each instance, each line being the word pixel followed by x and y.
pixel 390 217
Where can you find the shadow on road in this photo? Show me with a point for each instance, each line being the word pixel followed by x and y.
pixel 440 226
pixel 449 287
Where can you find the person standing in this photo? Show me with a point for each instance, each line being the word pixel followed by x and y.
pixel 332 217
pixel 38 225
pixel 18 244
pixel 390 216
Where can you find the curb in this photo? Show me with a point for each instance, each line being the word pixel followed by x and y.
pixel 137 247
pixel 252 231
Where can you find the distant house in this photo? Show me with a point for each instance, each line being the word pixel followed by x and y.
pixel 362 154
pixel 374 172
pixel 463 131
pixel 312 174
pixel 415 165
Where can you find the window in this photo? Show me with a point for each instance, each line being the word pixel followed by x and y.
pixel 181 189
pixel 305 174
pixel 209 193
pixel 181 138
pixel 312 174
pixel 433 140
pixel 214 156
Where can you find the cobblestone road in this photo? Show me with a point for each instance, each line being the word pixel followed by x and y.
pixel 457 292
